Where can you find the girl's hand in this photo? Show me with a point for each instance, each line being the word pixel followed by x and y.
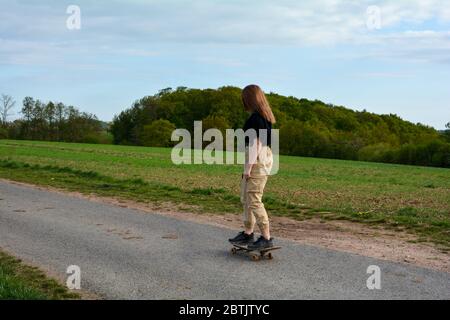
pixel 247 170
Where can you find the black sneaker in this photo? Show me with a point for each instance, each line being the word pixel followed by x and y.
pixel 261 244
pixel 243 238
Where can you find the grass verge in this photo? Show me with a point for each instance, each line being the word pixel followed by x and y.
pixel 22 282
pixel 432 227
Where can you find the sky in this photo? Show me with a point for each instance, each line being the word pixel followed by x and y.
pixel 386 56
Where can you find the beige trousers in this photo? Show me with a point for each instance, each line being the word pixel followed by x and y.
pixel 252 190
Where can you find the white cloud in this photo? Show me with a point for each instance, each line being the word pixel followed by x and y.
pixel 139 24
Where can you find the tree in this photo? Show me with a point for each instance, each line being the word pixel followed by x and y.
pixel 125 126
pixel 3 133
pixel 308 128
pixel 447 132
pixel 27 109
pixel 50 114
pixel 6 104
pixel 59 116
pixel 158 134
pixel 38 130
pixel 216 122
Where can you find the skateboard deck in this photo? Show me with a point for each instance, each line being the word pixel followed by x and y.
pixel 255 255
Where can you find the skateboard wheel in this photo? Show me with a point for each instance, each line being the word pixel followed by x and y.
pixel 255 257
pixel 233 251
pixel 270 256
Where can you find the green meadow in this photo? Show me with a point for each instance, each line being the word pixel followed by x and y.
pixel 410 198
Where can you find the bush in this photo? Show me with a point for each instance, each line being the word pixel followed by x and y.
pixel 379 152
pixel 103 137
pixel 435 153
pixel 158 134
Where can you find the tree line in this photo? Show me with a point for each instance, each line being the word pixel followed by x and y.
pixel 51 121
pixel 307 128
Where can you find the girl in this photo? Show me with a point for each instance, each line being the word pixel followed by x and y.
pixel 257 167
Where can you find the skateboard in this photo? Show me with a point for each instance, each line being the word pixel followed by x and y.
pixel 255 255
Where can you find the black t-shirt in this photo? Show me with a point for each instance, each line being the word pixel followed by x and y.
pixel 257 122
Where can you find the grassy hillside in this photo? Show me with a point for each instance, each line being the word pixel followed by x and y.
pixel 404 197
pixel 307 128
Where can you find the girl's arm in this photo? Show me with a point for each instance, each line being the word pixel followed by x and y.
pixel 253 154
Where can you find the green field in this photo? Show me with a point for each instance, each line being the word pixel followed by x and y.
pixel 21 282
pixel 416 199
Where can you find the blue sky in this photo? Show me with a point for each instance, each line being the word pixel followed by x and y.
pixel 318 49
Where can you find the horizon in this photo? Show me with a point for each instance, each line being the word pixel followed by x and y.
pixel 392 61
